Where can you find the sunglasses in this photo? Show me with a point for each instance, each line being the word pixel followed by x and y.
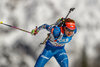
pixel 69 30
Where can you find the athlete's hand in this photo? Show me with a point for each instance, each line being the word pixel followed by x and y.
pixel 34 31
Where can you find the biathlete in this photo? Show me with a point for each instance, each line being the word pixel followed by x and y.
pixel 59 36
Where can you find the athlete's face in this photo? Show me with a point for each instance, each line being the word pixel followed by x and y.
pixel 68 32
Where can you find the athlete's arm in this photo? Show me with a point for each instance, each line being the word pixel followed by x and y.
pixel 44 26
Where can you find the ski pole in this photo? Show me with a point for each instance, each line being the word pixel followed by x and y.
pixel 15 27
pixel 44 42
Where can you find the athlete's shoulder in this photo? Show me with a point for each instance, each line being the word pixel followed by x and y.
pixel 56 31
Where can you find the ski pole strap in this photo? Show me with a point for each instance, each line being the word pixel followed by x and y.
pixel 34 31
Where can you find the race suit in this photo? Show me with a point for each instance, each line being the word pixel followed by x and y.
pixel 54 46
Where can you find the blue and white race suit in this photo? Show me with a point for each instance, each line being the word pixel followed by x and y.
pixel 54 46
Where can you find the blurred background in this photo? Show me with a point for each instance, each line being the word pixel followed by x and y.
pixel 20 49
